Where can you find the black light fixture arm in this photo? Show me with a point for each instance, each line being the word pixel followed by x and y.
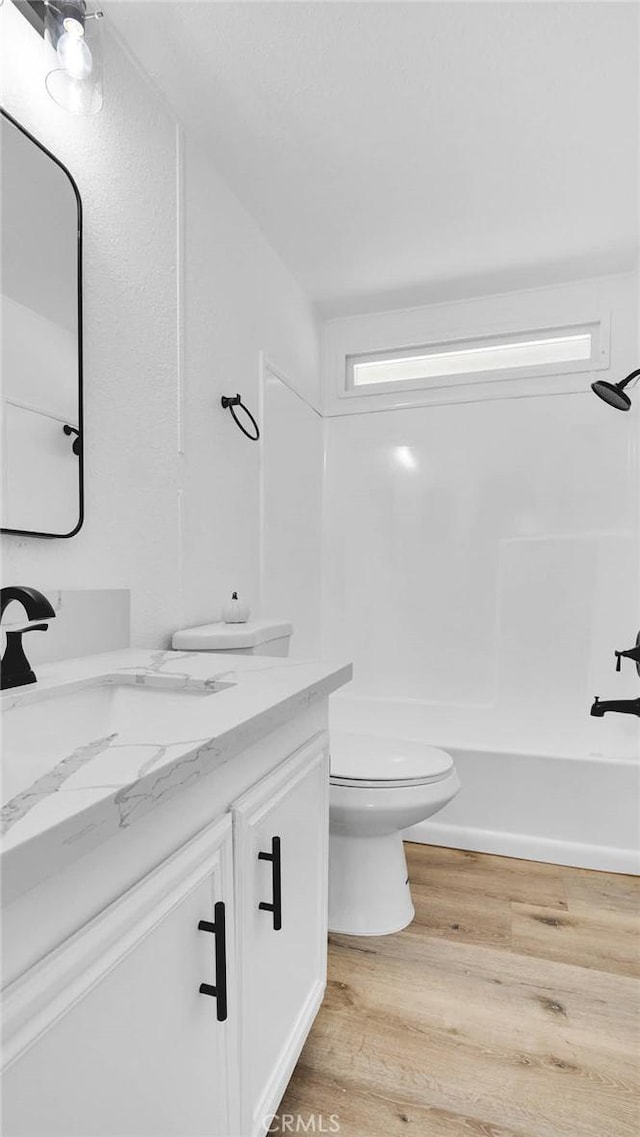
pixel 230 402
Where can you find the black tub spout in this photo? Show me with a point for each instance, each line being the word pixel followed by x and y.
pixel 619 706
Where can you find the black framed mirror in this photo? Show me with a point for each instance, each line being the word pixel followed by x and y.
pixel 41 366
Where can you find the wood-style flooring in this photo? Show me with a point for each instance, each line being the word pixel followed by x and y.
pixel 509 1008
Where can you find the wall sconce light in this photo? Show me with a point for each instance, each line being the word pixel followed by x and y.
pixel 73 56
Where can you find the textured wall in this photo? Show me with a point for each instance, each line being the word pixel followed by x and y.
pixel 181 293
pixel 292 511
pixel 239 299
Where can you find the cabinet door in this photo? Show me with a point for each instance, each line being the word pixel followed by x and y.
pixel 280 863
pixel 111 1035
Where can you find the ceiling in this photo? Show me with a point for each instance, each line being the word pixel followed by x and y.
pixel 399 152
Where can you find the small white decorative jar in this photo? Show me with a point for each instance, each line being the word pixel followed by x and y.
pixel 235 611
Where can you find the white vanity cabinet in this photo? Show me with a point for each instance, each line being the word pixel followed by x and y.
pixel 122 1031
pixel 111 1033
pixel 280 830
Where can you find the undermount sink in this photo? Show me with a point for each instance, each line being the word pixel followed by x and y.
pixel 48 726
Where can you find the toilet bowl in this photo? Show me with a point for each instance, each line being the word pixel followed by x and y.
pixel 379 786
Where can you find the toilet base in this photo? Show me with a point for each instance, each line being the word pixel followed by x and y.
pixel 369 891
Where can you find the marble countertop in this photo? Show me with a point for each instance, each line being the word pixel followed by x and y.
pixel 103 783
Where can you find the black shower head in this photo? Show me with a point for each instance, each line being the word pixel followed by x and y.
pixel 614 393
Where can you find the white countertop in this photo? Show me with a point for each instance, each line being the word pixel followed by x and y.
pixel 107 783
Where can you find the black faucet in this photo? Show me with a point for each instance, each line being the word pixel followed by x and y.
pixel 622 706
pixel 15 670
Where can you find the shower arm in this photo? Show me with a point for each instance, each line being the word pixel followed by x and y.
pixel 629 378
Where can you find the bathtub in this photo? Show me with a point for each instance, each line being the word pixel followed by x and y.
pixel 541 804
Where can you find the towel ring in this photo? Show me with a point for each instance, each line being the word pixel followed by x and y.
pixel 229 403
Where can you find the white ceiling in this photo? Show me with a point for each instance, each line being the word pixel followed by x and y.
pixel 397 152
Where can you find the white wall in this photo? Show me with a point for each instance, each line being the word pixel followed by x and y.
pixel 239 300
pixel 291 522
pixel 182 292
pixel 481 558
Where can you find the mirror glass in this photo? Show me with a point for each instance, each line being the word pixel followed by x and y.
pixel 41 363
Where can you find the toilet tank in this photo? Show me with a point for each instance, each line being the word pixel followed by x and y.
pixel 256 637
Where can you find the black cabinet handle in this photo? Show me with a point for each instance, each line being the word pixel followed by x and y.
pixel 218 929
pixel 276 877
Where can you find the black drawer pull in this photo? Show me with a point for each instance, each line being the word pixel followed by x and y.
pixel 218 929
pixel 276 877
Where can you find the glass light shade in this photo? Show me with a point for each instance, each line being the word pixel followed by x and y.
pixel 73 56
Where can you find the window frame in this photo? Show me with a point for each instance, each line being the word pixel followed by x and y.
pixel 598 328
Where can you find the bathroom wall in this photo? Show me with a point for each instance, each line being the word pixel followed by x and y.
pixel 182 293
pixel 291 520
pixel 481 558
pixel 87 621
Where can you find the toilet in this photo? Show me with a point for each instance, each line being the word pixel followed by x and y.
pixel 379 787
pixel 255 637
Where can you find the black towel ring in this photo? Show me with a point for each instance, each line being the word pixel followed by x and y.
pixel 229 402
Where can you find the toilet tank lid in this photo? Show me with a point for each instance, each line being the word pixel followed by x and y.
pixel 230 637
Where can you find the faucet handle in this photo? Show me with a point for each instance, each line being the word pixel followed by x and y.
pixel 15 629
pixel 631 653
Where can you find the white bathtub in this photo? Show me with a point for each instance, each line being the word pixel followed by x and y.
pixel 568 809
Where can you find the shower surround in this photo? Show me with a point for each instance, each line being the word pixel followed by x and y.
pixel 481 566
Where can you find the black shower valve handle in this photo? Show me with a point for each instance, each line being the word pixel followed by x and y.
pixel 631 653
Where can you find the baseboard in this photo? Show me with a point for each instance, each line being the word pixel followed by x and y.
pixel 604 858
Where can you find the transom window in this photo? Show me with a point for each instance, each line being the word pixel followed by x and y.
pixel 487 358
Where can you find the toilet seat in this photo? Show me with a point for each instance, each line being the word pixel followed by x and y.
pixel 374 762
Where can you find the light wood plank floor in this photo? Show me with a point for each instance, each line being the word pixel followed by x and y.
pixel 509 1008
